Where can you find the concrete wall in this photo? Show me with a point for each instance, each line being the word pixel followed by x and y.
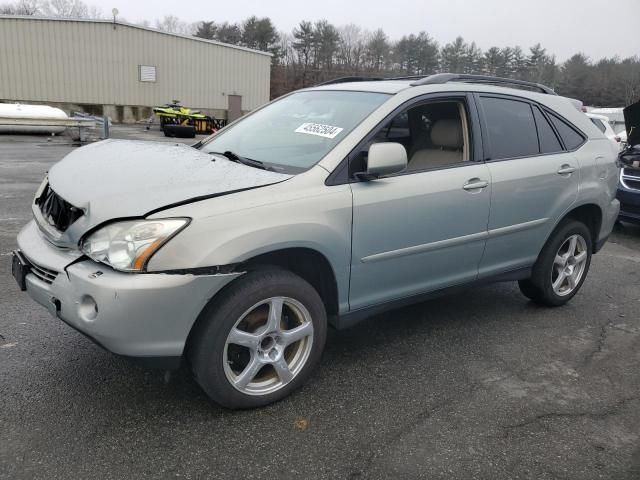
pixel 96 64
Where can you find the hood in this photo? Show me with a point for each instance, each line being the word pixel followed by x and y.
pixel 632 123
pixel 122 178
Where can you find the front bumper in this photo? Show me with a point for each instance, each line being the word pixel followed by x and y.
pixel 132 314
pixel 629 204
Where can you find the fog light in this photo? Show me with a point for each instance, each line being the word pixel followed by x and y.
pixel 87 308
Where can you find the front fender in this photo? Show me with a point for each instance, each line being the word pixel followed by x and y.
pixel 234 228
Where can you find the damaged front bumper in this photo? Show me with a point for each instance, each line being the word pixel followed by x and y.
pixel 142 315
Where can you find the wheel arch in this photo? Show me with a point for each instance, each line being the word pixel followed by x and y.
pixel 307 263
pixel 588 213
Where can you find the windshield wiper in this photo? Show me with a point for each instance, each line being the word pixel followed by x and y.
pixel 234 157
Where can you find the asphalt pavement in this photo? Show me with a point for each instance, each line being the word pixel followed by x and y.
pixel 479 385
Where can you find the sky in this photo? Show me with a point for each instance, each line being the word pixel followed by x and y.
pixel 597 28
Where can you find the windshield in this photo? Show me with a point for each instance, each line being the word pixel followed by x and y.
pixel 294 133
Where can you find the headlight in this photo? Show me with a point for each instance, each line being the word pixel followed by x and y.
pixel 128 245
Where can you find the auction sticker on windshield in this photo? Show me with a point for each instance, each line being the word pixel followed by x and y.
pixel 326 131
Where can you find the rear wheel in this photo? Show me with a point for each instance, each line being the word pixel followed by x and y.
pixel 562 265
pixel 260 340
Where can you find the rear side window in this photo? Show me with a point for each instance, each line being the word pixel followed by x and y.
pixel 549 142
pixel 510 127
pixel 570 137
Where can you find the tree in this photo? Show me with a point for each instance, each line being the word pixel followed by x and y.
pixel 505 65
pixel 229 33
pixel 303 44
pixel 453 56
pixel 22 7
pixel 428 53
pixel 172 24
pixel 473 59
pixel 417 54
pixel 70 9
pixel 351 47
pixel 377 50
pixel 575 76
pixel 206 30
pixel 630 80
pixel 492 61
pixel 51 8
pixel 326 40
pixel 404 54
pixel 536 62
pixel 519 64
pixel 260 33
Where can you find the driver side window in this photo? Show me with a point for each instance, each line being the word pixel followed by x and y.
pixel 434 134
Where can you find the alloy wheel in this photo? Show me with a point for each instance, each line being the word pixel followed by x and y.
pixel 569 265
pixel 268 346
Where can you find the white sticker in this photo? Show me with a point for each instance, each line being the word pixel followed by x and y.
pixel 326 131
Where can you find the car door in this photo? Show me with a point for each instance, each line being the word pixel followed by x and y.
pixel 534 179
pixel 418 231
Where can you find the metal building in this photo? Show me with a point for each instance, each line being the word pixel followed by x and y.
pixel 121 70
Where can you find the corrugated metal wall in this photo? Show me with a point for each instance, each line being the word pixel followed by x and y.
pixel 91 62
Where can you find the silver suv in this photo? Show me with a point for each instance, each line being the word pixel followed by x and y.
pixel 325 206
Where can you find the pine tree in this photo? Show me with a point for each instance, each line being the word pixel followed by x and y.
pixel 206 30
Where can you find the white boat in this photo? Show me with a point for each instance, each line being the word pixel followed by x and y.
pixel 19 118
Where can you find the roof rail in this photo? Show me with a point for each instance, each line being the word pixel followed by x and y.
pixel 350 79
pixel 441 78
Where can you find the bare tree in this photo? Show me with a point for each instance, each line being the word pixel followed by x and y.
pixel 378 50
pixel 22 7
pixel 351 47
pixel 173 24
pixel 66 9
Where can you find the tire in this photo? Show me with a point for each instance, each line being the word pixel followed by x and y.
pixel 253 372
pixel 546 286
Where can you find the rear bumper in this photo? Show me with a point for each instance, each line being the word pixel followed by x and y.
pixel 609 218
pixel 134 315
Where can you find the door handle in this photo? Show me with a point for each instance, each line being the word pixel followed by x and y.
pixel 566 169
pixel 475 184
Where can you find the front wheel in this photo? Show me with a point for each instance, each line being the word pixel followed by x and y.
pixel 561 267
pixel 260 340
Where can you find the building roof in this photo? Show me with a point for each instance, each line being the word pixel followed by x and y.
pixel 133 25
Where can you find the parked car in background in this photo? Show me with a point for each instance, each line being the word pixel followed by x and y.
pixel 326 206
pixel 629 187
pixel 603 125
pixel 614 114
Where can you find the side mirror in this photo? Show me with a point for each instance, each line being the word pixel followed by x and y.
pixel 384 159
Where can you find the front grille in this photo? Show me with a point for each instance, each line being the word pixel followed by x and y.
pixel 58 213
pixel 44 274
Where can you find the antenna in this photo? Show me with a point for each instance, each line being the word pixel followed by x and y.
pixel 115 12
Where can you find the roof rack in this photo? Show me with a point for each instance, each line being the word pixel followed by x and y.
pixel 351 79
pixel 441 78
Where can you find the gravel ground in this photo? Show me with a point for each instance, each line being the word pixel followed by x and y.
pixel 488 387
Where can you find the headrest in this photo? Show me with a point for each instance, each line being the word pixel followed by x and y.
pixel 447 133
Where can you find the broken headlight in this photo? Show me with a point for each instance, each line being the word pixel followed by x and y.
pixel 127 246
